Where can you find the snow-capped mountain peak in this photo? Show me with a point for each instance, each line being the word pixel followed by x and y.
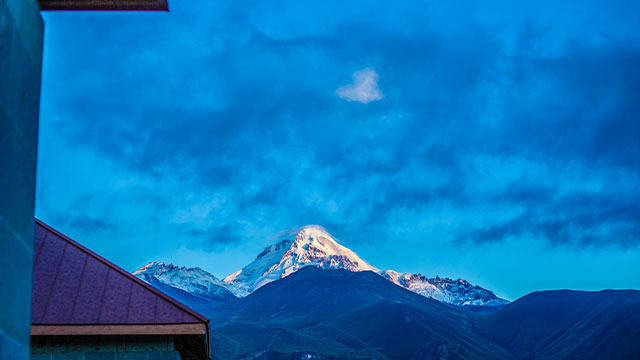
pixel 457 292
pixel 153 267
pixel 309 245
pixel 292 250
pixel 192 280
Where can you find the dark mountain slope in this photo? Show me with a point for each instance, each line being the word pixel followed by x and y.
pixel 343 314
pixel 568 325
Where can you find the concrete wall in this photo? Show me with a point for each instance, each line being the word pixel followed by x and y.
pixel 21 32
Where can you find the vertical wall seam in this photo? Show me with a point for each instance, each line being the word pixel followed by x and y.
pixel 35 261
pixel 55 279
pixel 155 310
pixel 129 301
pixel 75 299
pixel 106 285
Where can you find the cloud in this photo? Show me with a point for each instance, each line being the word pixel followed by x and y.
pixel 364 88
pixel 216 237
pixel 573 215
pixel 275 144
pixel 85 224
pixel 602 229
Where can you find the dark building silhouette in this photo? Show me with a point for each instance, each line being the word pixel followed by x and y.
pixel 21 37
pixel 21 33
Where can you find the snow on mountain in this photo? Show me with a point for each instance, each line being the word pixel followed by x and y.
pixel 310 245
pixel 456 292
pixel 192 280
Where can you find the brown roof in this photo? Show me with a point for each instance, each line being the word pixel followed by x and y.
pixel 73 285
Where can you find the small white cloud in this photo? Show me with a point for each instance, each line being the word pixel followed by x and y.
pixel 364 87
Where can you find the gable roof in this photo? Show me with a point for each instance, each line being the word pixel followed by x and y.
pixel 74 285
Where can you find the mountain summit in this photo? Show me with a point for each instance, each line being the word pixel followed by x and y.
pixel 309 245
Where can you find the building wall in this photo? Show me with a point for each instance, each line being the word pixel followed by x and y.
pixel 130 347
pixel 131 355
pixel 21 33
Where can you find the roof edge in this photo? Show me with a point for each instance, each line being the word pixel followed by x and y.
pixel 120 329
pixel 124 272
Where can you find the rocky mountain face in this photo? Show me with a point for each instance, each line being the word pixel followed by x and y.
pixel 310 246
pixel 195 281
pixel 295 249
pixel 456 292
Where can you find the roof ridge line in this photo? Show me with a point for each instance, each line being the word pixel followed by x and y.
pixel 124 272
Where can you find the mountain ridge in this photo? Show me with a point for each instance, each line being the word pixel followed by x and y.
pixel 312 245
pixel 192 280
pixel 336 313
pixel 317 312
pixel 568 324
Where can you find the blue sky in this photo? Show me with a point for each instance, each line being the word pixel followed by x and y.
pixel 495 142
